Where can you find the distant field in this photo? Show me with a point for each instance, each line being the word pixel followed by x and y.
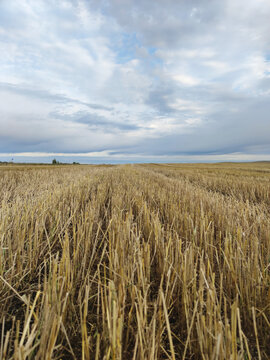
pixel 158 261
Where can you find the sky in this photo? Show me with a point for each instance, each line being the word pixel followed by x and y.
pixel 120 81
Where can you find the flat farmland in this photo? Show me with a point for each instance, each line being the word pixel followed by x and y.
pixel 154 261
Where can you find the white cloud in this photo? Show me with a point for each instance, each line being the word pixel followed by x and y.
pixel 165 76
pixel 186 79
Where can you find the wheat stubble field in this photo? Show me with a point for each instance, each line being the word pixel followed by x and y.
pixel 135 262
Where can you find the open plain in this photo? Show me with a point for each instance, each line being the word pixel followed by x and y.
pixel 156 261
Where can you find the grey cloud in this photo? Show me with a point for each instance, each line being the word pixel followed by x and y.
pixel 170 23
pixel 160 97
pixel 95 121
pixel 245 129
pixel 48 96
pixel 165 23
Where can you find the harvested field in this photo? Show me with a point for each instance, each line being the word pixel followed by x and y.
pixel 167 261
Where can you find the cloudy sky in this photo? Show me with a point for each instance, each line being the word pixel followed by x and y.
pixel 135 80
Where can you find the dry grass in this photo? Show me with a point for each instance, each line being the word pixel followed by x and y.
pixel 135 262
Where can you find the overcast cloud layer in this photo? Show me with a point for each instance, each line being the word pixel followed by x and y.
pixel 135 79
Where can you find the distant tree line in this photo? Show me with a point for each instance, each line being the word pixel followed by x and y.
pixel 55 162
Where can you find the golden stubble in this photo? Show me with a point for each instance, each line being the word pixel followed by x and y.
pixel 135 262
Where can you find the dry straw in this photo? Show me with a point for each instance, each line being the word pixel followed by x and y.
pixel 135 262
